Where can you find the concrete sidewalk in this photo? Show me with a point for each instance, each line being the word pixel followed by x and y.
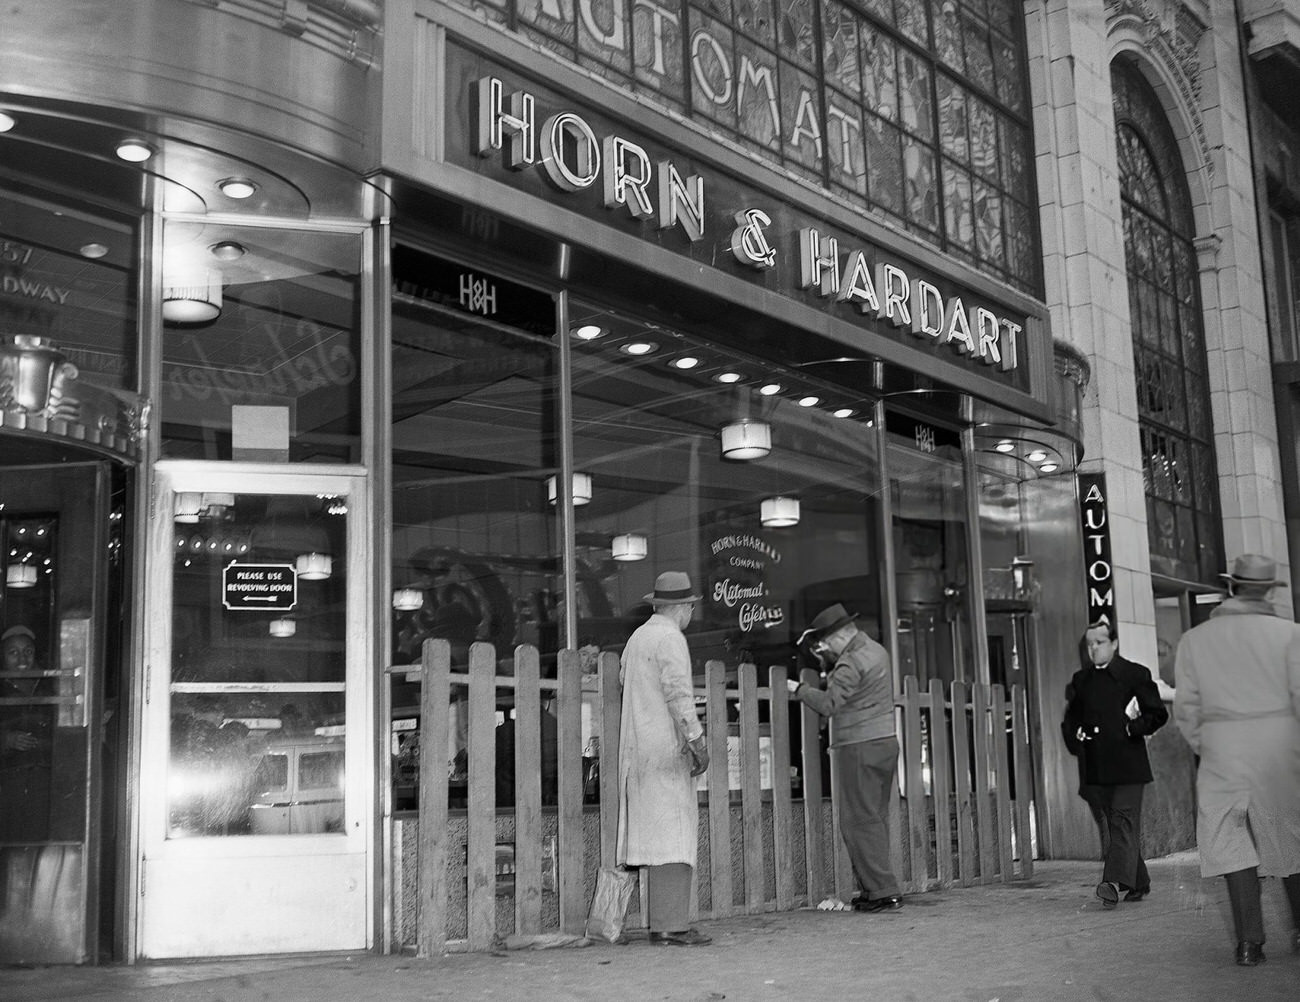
pixel 1038 941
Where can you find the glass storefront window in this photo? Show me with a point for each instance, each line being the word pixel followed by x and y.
pixel 771 535
pixel 261 354
pixel 258 665
pixel 68 277
pixel 930 536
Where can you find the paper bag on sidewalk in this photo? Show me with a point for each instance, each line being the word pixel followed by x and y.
pixel 609 903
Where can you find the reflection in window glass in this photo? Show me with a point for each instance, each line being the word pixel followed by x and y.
pixel 928 494
pixel 258 659
pixel 261 344
pixel 651 434
pixel 69 278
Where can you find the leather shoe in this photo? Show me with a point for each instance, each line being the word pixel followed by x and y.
pixel 1136 895
pixel 889 903
pixel 684 937
pixel 1109 894
pixel 1249 954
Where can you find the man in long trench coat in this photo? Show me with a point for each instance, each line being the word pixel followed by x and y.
pixel 1237 702
pixel 661 748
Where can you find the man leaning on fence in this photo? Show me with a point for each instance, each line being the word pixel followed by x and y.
pixel 661 748
pixel 859 698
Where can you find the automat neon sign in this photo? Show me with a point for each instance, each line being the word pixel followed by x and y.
pixel 568 152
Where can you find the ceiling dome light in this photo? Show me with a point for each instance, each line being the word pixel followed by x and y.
pixel 314 566
pixel 843 412
pixel 283 627
pixel 237 187
pixel 685 362
pixel 134 151
pixel 7 121
pixel 1037 456
pixel 629 546
pixel 728 377
pixel 746 439
pixel 639 348
pixel 92 250
pixel 408 599
pixel 581 489
pixel 193 299
pixel 1048 468
pixel 588 332
pixel 1006 445
pixel 779 513
pixel 227 250
pixel 770 389
pixel 809 401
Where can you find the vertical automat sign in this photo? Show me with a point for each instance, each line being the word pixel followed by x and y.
pixel 1098 572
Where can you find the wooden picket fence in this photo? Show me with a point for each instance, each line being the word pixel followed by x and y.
pixel 955 821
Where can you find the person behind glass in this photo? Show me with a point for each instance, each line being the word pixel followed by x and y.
pixel 26 741
pixel 1237 703
pixel 859 699
pixel 1112 705
pixel 661 749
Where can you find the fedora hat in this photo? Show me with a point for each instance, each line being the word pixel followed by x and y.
pixel 1252 568
pixel 828 621
pixel 672 587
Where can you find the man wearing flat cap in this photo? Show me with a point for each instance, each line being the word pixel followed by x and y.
pixel 858 696
pixel 1237 703
pixel 661 749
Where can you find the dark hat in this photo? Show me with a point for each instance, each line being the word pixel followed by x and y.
pixel 1252 568
pixel 672 587
pixel 17 631
pixel 828 621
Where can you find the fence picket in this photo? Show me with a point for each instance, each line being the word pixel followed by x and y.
pixel 1024 782
pixel 528 792
pixel 719 795
pixel 963 763
pixel 983 808
pixel 813 823
pixel 1002 792
pixel 611 725
pixel 941 784
pixel 782 803
pixel 431 875
pixel 918 823
pixel 481 808
pixel 751 793
pixel 571 850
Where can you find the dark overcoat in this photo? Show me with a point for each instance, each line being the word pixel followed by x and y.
pixel 1115 751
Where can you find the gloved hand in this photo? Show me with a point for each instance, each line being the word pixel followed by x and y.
pixel 698 752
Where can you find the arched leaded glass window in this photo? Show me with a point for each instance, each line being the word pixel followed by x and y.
pixel 1168 338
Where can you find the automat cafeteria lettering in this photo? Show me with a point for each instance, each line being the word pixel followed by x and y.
pixel 566 149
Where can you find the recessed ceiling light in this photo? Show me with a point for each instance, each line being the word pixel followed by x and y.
pixel 237 187
pixel 728 377
pixel 1037 456
pixel 588 332
pixel 134 151
pixel 1006 445
pixel 843 412
pixel 92 250
pixel 227 250
pixel 7 121
pixel 809 401
pixel 639 347
pixel 1048 468
pixel 685 362
pixel 770 389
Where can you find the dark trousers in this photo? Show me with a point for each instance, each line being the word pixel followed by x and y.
pixel 866 774
pixel 668 897
pixel 1247 912
pixel 1118 812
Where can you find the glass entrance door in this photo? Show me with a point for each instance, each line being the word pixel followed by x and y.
pixel 255 818
pixel 58 545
